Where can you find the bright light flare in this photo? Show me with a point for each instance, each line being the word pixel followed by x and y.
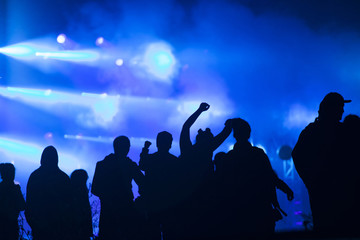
pixel 160 61
pixel 99 41
pixel 119 62
pixel 61 38
pixel 18 50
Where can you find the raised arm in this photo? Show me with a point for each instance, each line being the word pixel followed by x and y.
pixel 185 142
pixel 144 157
pixel 220 138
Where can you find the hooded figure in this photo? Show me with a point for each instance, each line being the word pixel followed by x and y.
pixel 48 208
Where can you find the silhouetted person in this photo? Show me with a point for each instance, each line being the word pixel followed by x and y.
pixel 250 186
pixel 199 174
pixel 351 169
pixel 112 184
pixel 11 203
pixel 222 164
pixel 49 199
pixel 160 175
pixel 318 157
pixel 82 221
pixel 221 198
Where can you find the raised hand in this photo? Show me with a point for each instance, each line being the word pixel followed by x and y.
pixel 228 123
pixel 147 144
pixel 204 107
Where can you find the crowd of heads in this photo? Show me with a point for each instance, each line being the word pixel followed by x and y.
pixel 180 197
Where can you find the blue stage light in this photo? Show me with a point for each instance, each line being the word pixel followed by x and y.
pixel 72 56
pixel 18 50
pixel 61 38
pixel 160 61
pixel 119 62
pixel 90 109
pixel 99 41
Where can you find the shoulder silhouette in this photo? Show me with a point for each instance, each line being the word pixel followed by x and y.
pixel 112 184
pixel 82 219
pixel 198 172
pixel 318 157
pixel 160 191
pixel 251 183
pixel 49 199
pixel 11 203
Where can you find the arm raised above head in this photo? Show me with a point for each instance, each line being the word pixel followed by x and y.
pixel 185 141
pixel 220 138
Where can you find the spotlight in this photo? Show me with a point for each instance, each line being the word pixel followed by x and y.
pixel 119 62
pixel 61 38
pixel 160 61
pixel 99 41
pixel 18 50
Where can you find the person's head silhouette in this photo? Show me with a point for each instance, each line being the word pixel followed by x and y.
pixel 352 124
pixel 79 177
pixel 219 160
pixel 241 130
pixel 49 157
pixel 204 138
pixel 7 172
pixel 164 141
pixel 121 146
pixel 331 108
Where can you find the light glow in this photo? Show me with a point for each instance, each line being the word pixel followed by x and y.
pixel 74 56
pixel 160 61
pixel 61 38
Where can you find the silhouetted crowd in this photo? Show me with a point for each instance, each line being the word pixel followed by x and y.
pixel 196 195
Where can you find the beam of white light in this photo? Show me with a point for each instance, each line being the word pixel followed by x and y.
pixel 94 109
pixel 19 51
pixel 29 152
pixel 72 56
pixel 139 142
pixel 42 50
pixel 99 139
pixel 134 141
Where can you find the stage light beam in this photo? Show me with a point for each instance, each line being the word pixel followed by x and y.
pixel 18 50
pixel 71 56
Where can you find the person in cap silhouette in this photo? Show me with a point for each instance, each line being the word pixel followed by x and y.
pixel 318 156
